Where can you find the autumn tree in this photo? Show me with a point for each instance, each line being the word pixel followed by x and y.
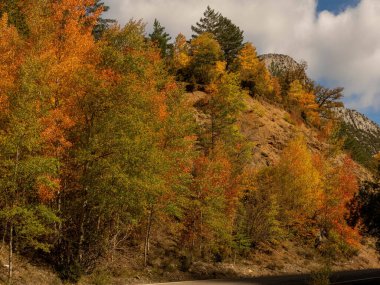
pixel 206 54
pixel 15 15
pixel 297 183
pixel 29 179
pixel 339 188
pixel 253 73
pixel 259 216
pixel 61 46
pixel 287 74
pixel 130 181
pixel 180 58
pixel 303 101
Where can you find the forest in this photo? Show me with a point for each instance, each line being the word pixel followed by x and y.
pixel 101 151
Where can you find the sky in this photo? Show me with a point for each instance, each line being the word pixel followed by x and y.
pixel 339 39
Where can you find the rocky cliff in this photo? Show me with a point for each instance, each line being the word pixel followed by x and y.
pixel 359 122
pixel 362 135
pixel 280 61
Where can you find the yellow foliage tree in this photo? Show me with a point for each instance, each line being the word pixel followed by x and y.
pixel 10 59
pixel 253 73
pixel 181 58
pixel 297 181
pixel 305 102
pixel 206 59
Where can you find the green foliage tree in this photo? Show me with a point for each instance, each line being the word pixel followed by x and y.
pixel 223 107
pixel 208 24
pixel 102 23
pixel 229 36
pixel 132 150
pixel 160 38
pixel 217 174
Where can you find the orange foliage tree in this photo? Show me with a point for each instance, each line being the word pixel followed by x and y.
pixel 340 186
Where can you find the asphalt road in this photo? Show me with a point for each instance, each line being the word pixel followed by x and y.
pixel 360 277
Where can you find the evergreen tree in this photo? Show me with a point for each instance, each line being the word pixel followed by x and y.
pixel 208 24
pixel 102 24
pixel 229 36
pixel 160 37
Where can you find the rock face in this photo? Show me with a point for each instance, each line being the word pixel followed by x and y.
pixel 362 134
pixel 280 61
pixel 358 121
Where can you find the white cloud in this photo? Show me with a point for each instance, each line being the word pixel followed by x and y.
pixel 341 49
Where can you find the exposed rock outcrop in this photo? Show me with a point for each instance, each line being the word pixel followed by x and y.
pixel 358 121
pixel 281 61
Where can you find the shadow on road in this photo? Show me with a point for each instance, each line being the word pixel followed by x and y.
pixel 368 277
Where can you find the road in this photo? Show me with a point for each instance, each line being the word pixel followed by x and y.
pixel 360 277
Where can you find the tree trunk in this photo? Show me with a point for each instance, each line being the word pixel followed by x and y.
pixel 10 256
pixel 82 233
pixel 10 253
pixel 201 235
pixel 5 233
pixel 147 237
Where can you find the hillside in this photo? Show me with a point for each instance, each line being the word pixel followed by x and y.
pixel 110 172
pixel 361 135
pixel 269 128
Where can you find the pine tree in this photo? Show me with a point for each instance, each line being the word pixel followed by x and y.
pixel 208 24
pixel 229 36
pixel 160 37
pixel 102 24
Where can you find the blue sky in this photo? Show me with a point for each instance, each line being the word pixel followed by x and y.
pixel 335 6
pixel 339 39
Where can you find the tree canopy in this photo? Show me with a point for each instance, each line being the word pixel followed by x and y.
pixel 160 37
pixel 229 36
